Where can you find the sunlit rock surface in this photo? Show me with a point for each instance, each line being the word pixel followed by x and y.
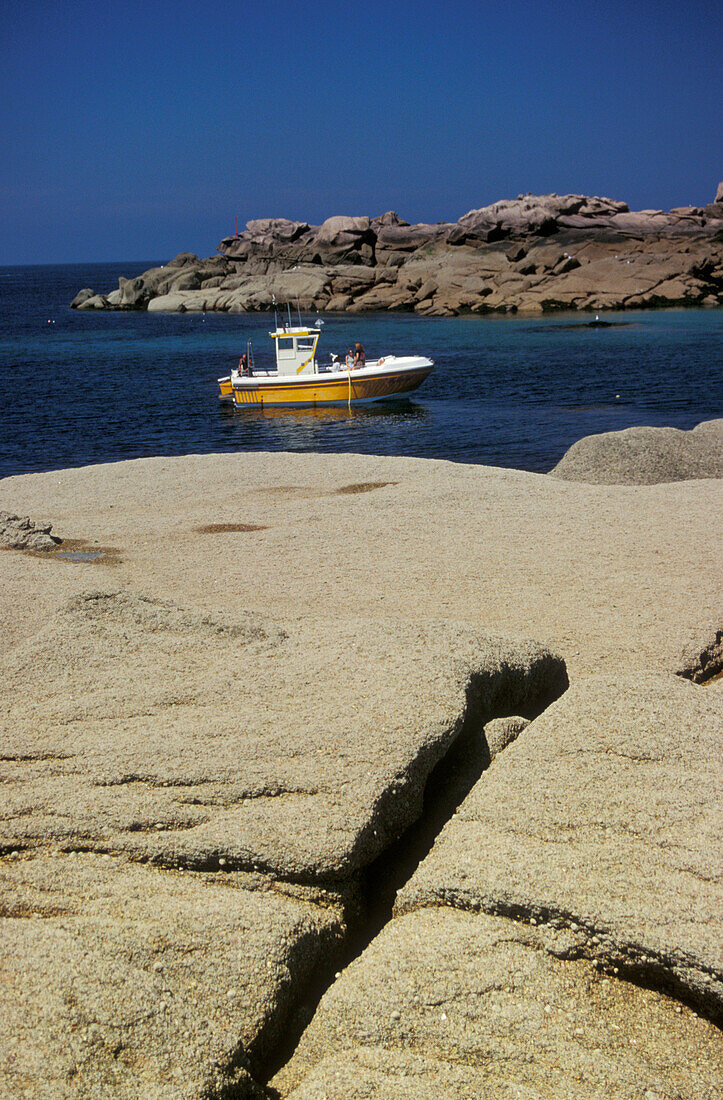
pixel 531 254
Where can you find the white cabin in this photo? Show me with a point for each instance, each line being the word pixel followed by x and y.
pixel 296 349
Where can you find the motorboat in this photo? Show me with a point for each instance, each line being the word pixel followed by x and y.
pixel 300 379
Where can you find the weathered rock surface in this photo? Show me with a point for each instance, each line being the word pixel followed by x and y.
pixel 501 732
pixel 535 253
pixel 446 1004
pixel 229 742
pixel 645 456
pixel 23 533
pixel 128 981
pixel 586 853
pixel 269 569
pixel 601 818
pixel 702 657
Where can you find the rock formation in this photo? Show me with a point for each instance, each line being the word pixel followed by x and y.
pixel 293 809
pixel 645 456
pixel 192 852
pixel 532 254
pixel 23 533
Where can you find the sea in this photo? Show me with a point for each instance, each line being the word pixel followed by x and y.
pixel 81 387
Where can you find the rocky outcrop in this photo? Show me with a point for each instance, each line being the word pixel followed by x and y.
pixel 583 856
pixel 645 456
pixel 191 803
pixel 535 253
pixel 23 533
pixel 213 792
pixel 453 1004
pixel 611 790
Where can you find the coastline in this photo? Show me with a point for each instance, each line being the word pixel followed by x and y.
pixel 531 255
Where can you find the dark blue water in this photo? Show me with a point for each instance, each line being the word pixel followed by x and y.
pixel 77 388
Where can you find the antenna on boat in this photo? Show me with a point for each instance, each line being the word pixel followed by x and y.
pixel 276 319
pixel 288 310
pixel 298 312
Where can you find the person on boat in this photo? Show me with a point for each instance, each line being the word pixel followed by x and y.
pixel 349 359
pixel 243 364
pixel 360 358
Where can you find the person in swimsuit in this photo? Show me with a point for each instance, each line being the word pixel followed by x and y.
pixel 360 359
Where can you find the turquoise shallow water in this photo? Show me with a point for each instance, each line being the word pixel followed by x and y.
pixel 78 388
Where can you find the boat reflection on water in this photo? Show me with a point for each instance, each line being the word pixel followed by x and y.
pixel 361 428
pixel 398 407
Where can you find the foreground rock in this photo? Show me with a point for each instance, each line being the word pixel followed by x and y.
pixel 187 739
pixel 645 456
pixel 127 981
pixel 585 854
pixel 534 254
pixel 205 748
pixel 192 781
pixel 448 1005
pixel 600 819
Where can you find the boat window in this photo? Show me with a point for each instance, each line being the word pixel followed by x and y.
pixel 285 347
pixel 306 344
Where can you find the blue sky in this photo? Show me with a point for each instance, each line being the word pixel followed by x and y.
pixel 136 130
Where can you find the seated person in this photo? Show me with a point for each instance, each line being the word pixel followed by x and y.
pixel 360 359
pixel 349 359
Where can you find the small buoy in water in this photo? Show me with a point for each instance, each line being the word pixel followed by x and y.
pixel 617 396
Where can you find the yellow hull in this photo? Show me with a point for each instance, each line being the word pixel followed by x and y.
pixel 340 388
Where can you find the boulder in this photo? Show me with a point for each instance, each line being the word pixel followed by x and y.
pixel 169 303
pixel 23 533
pixel 501 732
pixel 645 456
pixel 719 193
pixel 82 296
pixel 136 293
pixel 402 239
pixel 340 240
pixel 283 229
pixel 98 301
pixel 341 230
pixel 529 215
pixel 390 218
